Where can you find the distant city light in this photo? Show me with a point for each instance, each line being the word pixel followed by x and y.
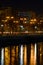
pixel 21 18
pixel 35 27
pixel 25 19
pixel 35 20
pixel 7 17
pixel 2 25
pixel 12 17
pixel 26 31
pixel 3 20
pixel 31 20
pixel 21 26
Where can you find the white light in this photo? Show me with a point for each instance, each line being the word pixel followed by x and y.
pixel 2 25
pixel 35 27
pixel 21 55
pixel 2 56
pixel 21 26
pixel 35 52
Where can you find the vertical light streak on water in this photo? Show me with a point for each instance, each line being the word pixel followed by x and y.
pixel 32 55
pixel 17 52
pixel 35 54
pixel 40 53
pixel 2 56
pixel 7 56
pixel 21 55
pixel 25 55
pixel 13 55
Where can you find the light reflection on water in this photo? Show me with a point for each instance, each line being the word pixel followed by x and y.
pixel 11 55
pixel 2 56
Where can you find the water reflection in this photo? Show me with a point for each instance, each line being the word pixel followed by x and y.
pixel 13 55
pixel 21 55
pixel 7 56
pixel 2 56
pixel 25 54
pixel 31 54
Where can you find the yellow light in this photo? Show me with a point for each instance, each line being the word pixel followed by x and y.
pixel 21 18
pixel 31 20
pixel 7 56
pixel 34 19
pixel 16 21
pixel 25 55
pixel 12 17
pixel 25 19
pixel 7 17
pixel 5 20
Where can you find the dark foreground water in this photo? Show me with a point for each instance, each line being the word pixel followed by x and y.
pixel 31 54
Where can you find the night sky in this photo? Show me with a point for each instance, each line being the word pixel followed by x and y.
pixel 36 6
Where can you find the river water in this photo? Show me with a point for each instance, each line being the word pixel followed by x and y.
pixel 31 54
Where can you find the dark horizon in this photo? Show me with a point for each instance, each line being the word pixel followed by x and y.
pixel 24 5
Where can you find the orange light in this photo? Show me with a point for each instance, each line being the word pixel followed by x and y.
pixel 21 18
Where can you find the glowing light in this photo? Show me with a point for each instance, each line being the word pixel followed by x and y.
pixel 2 56
pixel 12 17
pixel 21 26
pixel 35 20
pixel 31 20
pixel 25 55
pixel 21 55
pixel 35 52
pixel 26 31
pixel 2 25
pixel 25 19
pixel 35 27
pixel 5 20
pixel 7 56
pixel 7 17
pixel 16 21
pixel 13 21
pixel 21 18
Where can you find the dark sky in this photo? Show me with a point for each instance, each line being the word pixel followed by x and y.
pixel 24 4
